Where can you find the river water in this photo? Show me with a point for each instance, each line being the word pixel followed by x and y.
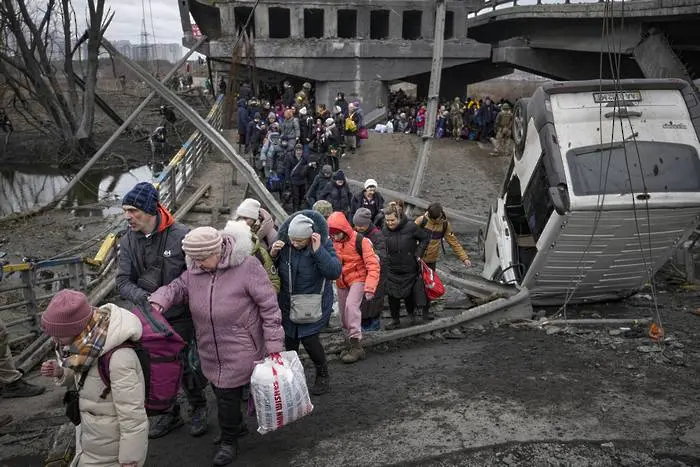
pixel 22 189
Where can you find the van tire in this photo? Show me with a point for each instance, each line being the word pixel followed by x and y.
pixel 520 122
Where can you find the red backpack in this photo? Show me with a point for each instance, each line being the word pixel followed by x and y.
pixel 159 352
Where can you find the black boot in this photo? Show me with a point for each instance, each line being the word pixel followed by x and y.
pixel 21 388
pixel 228 451
pixel 323 381
pixel 427 314
pixel 412 321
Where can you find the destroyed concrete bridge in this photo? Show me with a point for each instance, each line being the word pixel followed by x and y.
pixel 361 47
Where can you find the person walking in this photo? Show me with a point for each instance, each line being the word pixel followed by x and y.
pixel 319 184
pixel 307 264
pixel 150 255
pixel 113 429
pixel 258 219
pixel 372 309
pixel 236 318
pixel 435 223
pixel 239 230
pixel 405 243
pixel 368 198
pixel 358 280
pixel 337 193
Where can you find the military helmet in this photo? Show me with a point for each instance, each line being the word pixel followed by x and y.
pixel 307 85
pixel 505 106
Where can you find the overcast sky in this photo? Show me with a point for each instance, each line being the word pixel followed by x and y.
pixel 128 14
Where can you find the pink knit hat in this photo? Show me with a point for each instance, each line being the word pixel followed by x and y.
pixel 202 242
pixel 67 314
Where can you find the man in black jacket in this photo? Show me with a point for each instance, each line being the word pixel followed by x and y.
pixel 150 255
pixel 319 184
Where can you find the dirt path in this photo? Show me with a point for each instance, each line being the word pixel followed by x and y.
pixel 460 174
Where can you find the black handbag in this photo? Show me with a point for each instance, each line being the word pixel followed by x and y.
pixel 71 399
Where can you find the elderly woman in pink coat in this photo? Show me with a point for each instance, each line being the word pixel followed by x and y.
pixel 236 318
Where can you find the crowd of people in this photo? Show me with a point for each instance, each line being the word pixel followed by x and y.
pixel 295 147
pixel 233 296
pixel 467 119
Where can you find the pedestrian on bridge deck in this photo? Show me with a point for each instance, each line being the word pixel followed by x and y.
pixel 405 243
pixel 150 255
pixel 258 219
pixel 372 309
pixel 307 264
pixel 434 222
pixel 236 317
pixel 113 428
pixel 359 279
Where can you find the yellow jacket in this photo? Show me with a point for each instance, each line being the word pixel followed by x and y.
pixel 436 229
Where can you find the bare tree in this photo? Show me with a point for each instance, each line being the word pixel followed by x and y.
pixel 36 38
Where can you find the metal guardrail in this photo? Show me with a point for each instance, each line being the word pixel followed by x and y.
pixel 488 6
pixel 40 281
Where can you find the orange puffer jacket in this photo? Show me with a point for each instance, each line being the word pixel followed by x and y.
pixel 356 268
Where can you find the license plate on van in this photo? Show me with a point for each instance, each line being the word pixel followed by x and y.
pixel 612 96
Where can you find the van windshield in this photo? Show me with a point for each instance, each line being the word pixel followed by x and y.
pixel 622 168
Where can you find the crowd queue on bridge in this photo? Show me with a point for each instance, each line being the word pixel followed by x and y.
pixel 215 302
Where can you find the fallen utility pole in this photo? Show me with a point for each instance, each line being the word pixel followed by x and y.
pixel 433 101
pixel 100 152
pixel 593 322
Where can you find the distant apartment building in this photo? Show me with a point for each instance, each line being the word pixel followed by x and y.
pixel 167 52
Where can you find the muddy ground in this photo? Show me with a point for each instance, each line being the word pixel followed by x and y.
pixel 494 395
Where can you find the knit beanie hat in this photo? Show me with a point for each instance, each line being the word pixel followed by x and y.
pixel 362 218
pixel 67 314
pixel 202 242
pixel 143 196
pixel 301 227
pixel 370 182
pixel 323 207
pixel 327 170
pixel 339 175
pixel 249 208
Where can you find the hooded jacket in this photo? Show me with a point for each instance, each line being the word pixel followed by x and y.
pixel 113 430
pixel 339 196
pixel 234 310
pixel 239 230
pixel 317 187
pixel 137 252
pixel 289 129
pixel 435 230
pixel 356 268
pixel 310 270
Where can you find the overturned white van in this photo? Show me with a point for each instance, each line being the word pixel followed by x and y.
pixel 604 184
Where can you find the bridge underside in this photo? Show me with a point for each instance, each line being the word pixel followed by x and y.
pixel 561 45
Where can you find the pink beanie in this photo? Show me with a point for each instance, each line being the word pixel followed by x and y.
pixel 67 314
pixel 202 242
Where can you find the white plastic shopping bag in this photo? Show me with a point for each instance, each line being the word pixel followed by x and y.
pixel 279 392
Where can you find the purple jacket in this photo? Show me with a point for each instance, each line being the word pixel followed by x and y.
pixel 234 310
